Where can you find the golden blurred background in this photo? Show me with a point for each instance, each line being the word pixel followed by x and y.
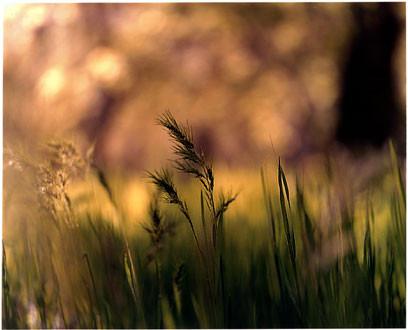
pixel 249 78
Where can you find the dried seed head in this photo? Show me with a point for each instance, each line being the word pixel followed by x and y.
pixel 52 178
pixel 65 156
pixel 158 229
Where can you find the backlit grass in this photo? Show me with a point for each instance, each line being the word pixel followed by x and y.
pixel 194 246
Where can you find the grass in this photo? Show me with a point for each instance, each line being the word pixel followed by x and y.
pixel 201 258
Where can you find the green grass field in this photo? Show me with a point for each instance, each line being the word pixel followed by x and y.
pixel 199 250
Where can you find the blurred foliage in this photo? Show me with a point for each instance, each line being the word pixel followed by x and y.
pixel 243 74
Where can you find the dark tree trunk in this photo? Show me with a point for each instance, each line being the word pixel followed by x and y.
pixel 369 110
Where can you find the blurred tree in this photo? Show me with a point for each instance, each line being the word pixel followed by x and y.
pixel 242 74
pixel 369 110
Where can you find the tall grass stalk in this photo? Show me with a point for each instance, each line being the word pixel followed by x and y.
pixel 193 162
